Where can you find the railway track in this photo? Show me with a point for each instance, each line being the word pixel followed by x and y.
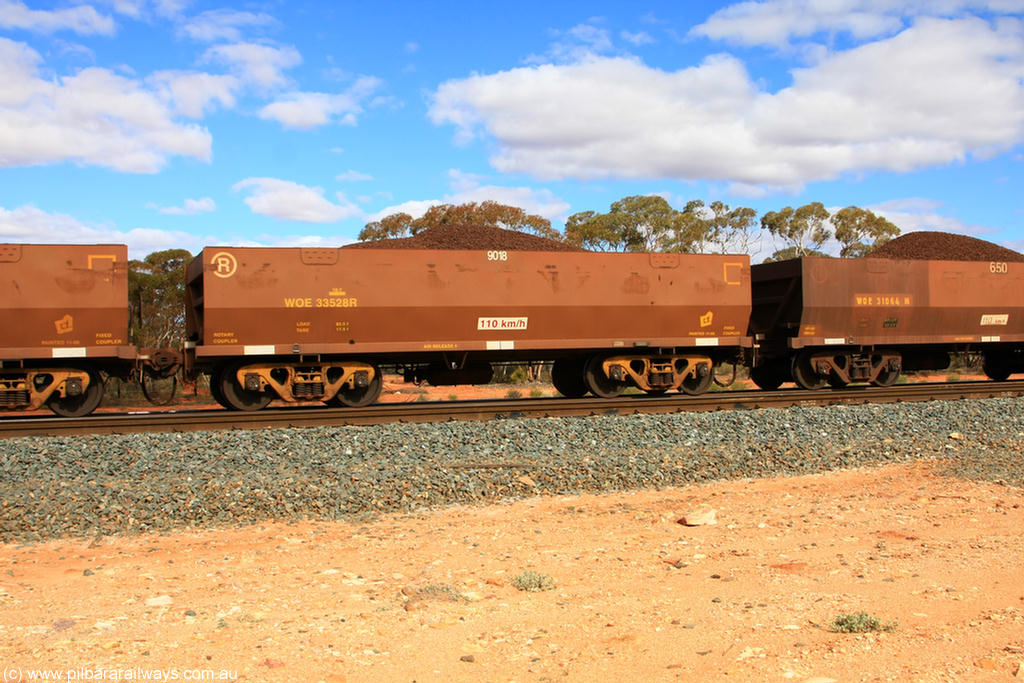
pixel 196 420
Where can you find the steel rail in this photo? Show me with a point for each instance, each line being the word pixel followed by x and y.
pixel 441 411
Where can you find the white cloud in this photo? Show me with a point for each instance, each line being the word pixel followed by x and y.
pixel 776 22
pixel 351 176
pixel 306 110
pixel 94 117
pixel 540 202
pixel 190 207
pixel 262 65
pixel 918 213
pixel 931 95
pixel 468 187
pixel 415 208
pixel 192 93
pixel 224 24
pixel 577 43
pixel 289 201
pixel 82 19
pixel 130 8
pixel 639 38
pixel 26 223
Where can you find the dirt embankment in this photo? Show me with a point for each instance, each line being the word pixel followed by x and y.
pixel 635 595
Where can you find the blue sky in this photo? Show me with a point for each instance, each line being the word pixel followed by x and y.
pixel 170 123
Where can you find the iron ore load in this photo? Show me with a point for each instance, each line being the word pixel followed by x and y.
pixel 65 321
pixel 301 324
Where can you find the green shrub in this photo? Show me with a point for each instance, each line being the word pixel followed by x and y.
pixel 533 582
pixel 860 622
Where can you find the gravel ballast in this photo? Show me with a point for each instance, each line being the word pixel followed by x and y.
pixel 54 487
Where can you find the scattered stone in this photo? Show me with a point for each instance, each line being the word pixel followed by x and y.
pixel 272 663
pixel 77 486
pixel 702 515
pixel 467 658
pixel 160 601
pixel 526 480
pixel 956 436
pixel 63 624
pixel 751 653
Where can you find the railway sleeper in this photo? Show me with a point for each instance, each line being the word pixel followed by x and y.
pixel 296 383
pixel 689 373
pixel 31 389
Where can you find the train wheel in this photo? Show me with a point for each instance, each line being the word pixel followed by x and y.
pixel 84 403
pixel 235 396
pixel 767 377
pixel 567 377
pixel 835 381
pixel 804 373
pixel 995 367
pixel 699 384
pixel 159 391
pixel 358 397
pixel 886 378
pixel 600 384
pixel 215 390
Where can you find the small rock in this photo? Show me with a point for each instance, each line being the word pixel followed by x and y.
pixel 750 653
pixel 525 479
pixel 1019 673
pixel 702 515
pixel 956 436
pixel 467 658
pixel 63 624
pixel 272 663
pixel 159 601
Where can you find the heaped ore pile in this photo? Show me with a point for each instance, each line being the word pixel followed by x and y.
pixel 944 246
pixel 468 237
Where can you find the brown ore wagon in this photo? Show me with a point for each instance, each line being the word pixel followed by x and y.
pixel 318 324
pixel 826 320
pixel 65 319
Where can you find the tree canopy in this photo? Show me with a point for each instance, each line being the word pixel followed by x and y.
pixel 650 223
pixel 856 226
pixel 156 298
pixel 805 230
pixel 488 213
pixel 637 223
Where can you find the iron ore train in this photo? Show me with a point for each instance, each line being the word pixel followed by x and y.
pixel 304 325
